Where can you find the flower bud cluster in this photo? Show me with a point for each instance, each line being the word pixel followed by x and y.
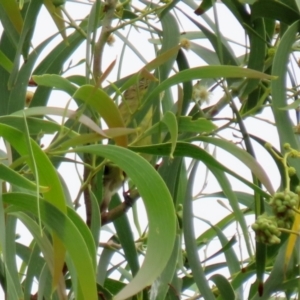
pixel 267 228
pixel 283 204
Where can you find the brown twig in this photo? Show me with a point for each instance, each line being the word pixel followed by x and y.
pixel 118 211
pixel 105 32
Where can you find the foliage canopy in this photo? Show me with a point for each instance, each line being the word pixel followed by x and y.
pixel 150 130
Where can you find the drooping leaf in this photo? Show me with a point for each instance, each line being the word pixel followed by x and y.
pixel 160 212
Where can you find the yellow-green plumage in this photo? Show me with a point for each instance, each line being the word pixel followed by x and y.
pixel 113 176
pixel 113 179
pixel 132 100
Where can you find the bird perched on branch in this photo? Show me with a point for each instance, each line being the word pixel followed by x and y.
pixel 114 177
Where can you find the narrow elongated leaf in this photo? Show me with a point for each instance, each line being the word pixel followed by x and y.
pixel 282 118
pixel 57 16
pixel 186 124
pixel 48 177
pixel 165 278
pixel 189 150
pixel 207 72
pixel 274 10
pixel 203 7
pixel 104 105
pixel 36 125
pixel 55 81
pixel 13 177
pixel 224 287
pixel 38 111
pixel 190 242
pixel 182 150
pixel 245 157
pixel 32 12
pixel 160 211
pixel 126 238
pixel 170 120
pixel 12 11
pixel 69 234
pixel 5 62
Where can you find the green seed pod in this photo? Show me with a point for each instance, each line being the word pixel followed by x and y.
pixel 274 240
pixel 281 223
pixel 290 213
pixel 268 233
pixel 273 229
pixel 279 195
pixel 291 171
pixel 281 209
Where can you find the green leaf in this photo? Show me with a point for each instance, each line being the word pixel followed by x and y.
pixel 223 285
pixel 74 235
pixel 189 150
pixel 11 9
pixel 165 278
pixel 13 177
pixel 36 126
pixel 55 81
pixel 283 122
pixel 187 124
pixel 203 7
pixel 159 207
pixel 219 43
pixel 244 157
pixel 190 241
pixel 275 10
pixel 104 105
pixel 47 173
pixel 66 113
pixel 171 122
pixel 47 176
pixel 5 62
pixel 207 72
pixel 57 16
pixel 126 238
pixel 257 36
pixel 27 31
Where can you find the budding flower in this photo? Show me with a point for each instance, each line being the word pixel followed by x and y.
pixel 287 146
pixel 28 98
pixel 110 40
pixel 291 171
pixel 185 44
pixel 200 93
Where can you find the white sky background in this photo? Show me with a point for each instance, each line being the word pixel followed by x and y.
pixel 205 208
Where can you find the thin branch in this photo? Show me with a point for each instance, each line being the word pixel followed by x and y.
pixel 105 32
pixel 118 211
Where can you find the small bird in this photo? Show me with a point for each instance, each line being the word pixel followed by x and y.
pixel 132 100
pixel 114 177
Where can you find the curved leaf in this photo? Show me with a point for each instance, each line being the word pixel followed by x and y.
pixel 159 207
pixel 207 72
pixel 47 177
pixel 104 105
pixel 70 234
